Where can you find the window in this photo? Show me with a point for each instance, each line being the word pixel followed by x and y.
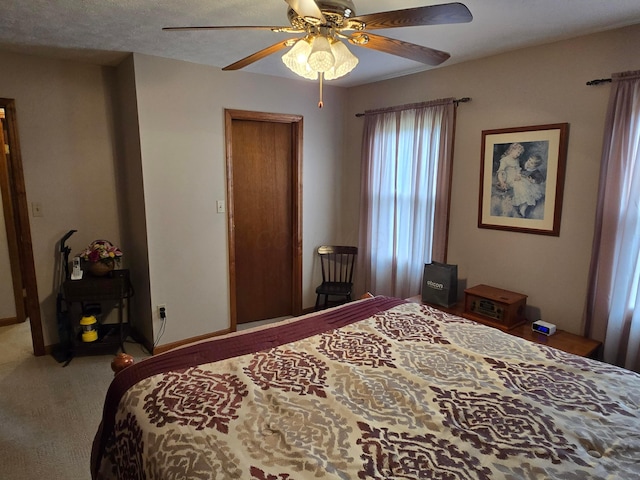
pixel 406 156
pixel 613 305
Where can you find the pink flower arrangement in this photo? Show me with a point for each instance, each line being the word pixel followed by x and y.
pixel 100 250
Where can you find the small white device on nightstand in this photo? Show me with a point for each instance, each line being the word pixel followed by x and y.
pixel 545 328
pixel 76 273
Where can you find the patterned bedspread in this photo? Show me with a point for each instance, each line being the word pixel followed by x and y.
pixel 381 389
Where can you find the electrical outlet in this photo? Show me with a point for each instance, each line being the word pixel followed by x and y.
pixel 162 311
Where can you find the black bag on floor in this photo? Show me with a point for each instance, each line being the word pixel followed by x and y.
pixel 440 284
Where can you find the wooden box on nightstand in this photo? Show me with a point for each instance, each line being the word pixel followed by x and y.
pixel 495 307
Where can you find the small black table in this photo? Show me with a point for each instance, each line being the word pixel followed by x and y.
pixel 115 286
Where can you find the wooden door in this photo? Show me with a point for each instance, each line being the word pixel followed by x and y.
pixel 263 185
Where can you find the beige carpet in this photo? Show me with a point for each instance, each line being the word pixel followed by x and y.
pixel 48 414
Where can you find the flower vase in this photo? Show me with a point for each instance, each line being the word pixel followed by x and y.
pixel 102 267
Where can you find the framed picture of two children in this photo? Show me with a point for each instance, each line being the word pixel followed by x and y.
pixel 522 178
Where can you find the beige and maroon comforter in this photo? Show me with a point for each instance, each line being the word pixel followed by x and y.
pixel 377 389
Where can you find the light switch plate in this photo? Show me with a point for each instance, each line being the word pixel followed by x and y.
pixel 36 209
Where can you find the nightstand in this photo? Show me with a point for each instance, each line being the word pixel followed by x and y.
pixel 114 288
pixel 565 341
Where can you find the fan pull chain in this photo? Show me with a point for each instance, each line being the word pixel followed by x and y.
pixel 321 103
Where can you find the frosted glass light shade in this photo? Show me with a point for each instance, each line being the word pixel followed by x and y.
pixel 321 57
pixel 345 61
pixel 311 55
pixel 296 60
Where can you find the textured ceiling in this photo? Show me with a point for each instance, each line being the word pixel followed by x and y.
pixel 104 31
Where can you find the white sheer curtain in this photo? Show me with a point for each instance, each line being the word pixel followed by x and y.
pixel 613 305
pixel 406 166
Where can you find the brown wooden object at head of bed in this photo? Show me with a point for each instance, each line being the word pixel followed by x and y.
pixel 121 361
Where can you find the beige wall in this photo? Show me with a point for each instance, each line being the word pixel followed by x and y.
pixel 534 86
pixel 73 156
pixel 181 120
pixel 64 114
pixel 153 168
pixel 130 188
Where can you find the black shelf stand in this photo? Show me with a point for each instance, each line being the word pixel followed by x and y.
pixel 113 287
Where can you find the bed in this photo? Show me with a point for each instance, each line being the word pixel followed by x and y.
pixel 375 389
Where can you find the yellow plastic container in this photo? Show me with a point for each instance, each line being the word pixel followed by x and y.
pixel 89 328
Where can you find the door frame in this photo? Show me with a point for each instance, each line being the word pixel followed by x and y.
pixel 23 270
pixel 296 202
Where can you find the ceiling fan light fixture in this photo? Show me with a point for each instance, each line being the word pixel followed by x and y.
pixel 345 61
pixel 322 53
pixel 321 57
pixel 296 60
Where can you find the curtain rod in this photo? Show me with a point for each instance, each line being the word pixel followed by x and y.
pixel 457 101
pixel 599 81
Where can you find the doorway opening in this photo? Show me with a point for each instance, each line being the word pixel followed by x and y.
pixel 16 220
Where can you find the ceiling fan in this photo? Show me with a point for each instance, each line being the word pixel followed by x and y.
pixel 323 24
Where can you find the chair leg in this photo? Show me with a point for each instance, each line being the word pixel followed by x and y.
pixel 317 301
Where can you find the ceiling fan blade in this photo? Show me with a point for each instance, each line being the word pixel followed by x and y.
pixel 228 27
pixel 411 17
pixel 307 9
pixel 265 52
pixel 399 48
